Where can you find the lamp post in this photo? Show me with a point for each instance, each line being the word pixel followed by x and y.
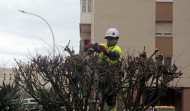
pixel 48 26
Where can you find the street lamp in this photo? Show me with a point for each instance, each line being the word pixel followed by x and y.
pixel 48 26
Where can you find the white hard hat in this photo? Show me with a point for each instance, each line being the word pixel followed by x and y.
pixel 112 33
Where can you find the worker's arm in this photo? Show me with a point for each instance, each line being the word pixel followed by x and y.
pixel 112 55
pixel 93 46
pixel 115 55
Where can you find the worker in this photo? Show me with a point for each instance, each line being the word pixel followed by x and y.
pixel 112 52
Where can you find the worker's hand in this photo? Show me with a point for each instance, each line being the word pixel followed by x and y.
pixel 89 45
pixel 102 48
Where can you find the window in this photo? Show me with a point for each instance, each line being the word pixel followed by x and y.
pixel 25 101
pixel 89 5
pixel 163 29
pixel 163 34
pixel 83 5
pixel 164 11
pixel 4 76
pixel 10 78
pixel 164 0
pixel 165 45
pixel 32 100
pixel 86 5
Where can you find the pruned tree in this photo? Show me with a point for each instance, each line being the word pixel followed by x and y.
pixel 82 81
pixel 146 80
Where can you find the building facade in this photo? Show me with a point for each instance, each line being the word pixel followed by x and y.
pixel 6 76
pixel 162 24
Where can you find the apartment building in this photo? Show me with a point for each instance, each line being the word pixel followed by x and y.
pixel 6 75
pixel 162 24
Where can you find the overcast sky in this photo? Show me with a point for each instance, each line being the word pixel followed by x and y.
pixel 21 34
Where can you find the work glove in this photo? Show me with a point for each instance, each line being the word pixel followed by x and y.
pixel 95 47
pixel 102 48
pixel 89 45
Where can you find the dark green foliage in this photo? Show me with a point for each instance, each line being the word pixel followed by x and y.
pixel 8 94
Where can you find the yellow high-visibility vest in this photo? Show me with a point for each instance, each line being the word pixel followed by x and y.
pixel 112 48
